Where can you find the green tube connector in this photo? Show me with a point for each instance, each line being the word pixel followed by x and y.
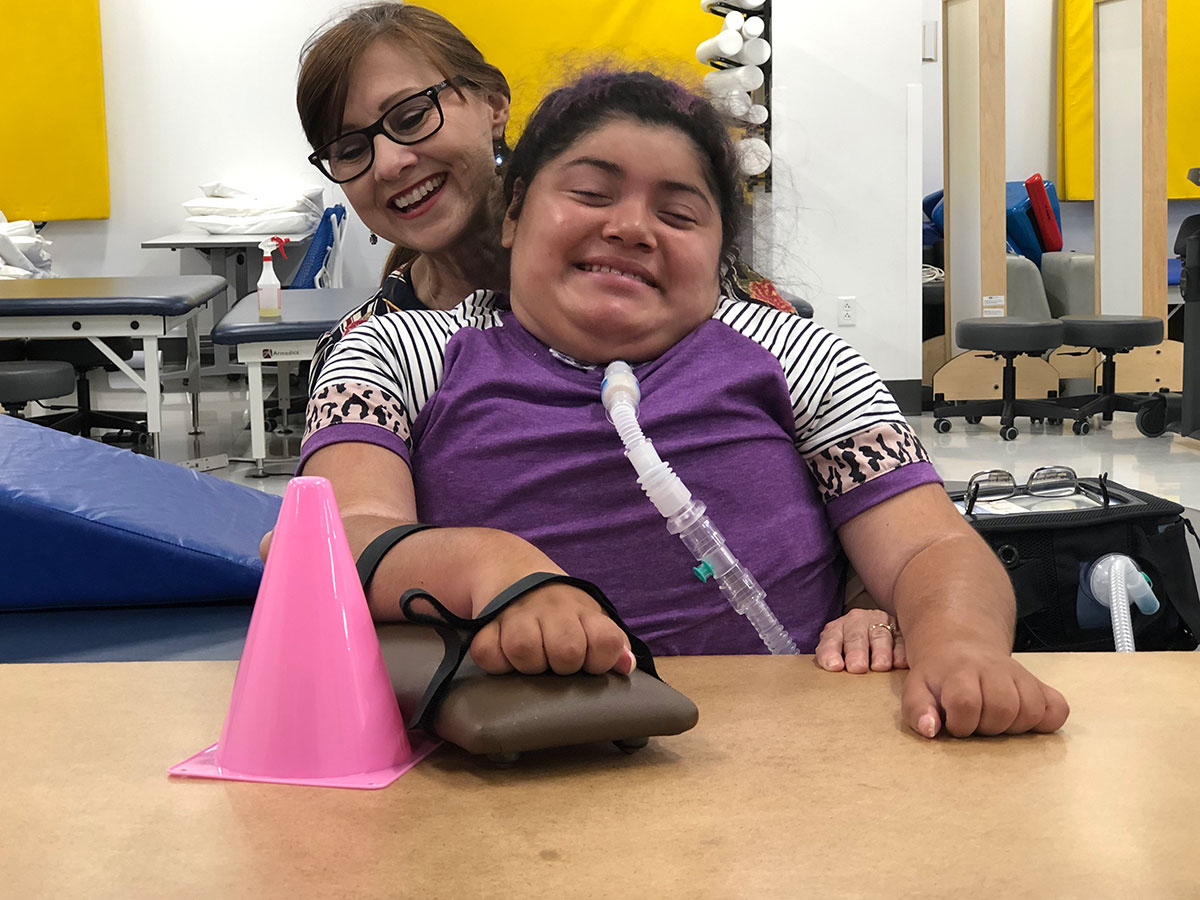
pixel 703 571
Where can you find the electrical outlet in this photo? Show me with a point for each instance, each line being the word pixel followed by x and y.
pixel 847 310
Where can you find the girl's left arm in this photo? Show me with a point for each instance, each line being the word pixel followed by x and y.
pixel 923 563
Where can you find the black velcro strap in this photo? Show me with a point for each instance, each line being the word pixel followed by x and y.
pixel 370 559
pixel 457 633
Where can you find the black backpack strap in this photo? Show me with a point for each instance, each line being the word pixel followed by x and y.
pixel 457 633
pixel 1187 611
pixel 370 559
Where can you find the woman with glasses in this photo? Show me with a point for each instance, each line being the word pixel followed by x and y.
pixel 430 186
pixel 404 113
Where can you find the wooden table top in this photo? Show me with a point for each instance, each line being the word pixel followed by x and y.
pixel 796 783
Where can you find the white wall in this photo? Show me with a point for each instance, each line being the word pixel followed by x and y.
pixel 839 219
pixel 196 93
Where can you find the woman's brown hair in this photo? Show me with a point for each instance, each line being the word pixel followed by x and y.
pixel 328 56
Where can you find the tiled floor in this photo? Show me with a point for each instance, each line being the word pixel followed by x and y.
pixel 1160 466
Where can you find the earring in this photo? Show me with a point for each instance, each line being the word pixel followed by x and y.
pixel 498 151
pixel 374 239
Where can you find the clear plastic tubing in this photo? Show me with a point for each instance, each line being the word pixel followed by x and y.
pixel 1115 581
pixel 685 515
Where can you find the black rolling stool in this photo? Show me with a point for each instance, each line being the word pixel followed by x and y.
pixel 1112 334
pixel 1007 337
pixel 23 381
pixel 82 356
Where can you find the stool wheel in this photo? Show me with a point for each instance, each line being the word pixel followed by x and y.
pixel 1151 419
pixel 1082 426
pixel 1054 421
pixel 1008 432
pixel 973 420
pixel 941 426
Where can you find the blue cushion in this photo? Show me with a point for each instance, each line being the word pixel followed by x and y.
pixel 85 524
pixel 1022 234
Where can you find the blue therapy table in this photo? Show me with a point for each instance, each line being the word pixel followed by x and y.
pixel 141 307
pixel 282 340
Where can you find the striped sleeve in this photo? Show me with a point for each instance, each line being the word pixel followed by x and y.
pixel 848 427
pixel 380 375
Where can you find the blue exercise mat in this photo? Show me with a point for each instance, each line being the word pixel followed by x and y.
pixel 85 524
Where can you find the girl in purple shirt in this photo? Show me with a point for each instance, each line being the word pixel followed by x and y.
pixel 485 421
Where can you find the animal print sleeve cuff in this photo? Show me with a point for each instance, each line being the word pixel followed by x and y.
pixel 867 468
pixel 341 412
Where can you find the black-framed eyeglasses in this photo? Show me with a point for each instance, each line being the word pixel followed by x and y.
pixel 997 484
pixel 407 121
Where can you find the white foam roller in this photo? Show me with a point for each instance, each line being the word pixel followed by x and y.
pixel 755 115
pixel 754 52
pixel 754 156
pixel 754 27
pixel 741 78
pixel 735 103
pixel 725 45
pixel 734 21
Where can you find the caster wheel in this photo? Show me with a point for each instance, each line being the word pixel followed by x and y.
pixel 233 377
pixel 1008 432
pixel 941 426
pixel 973 420
pixel 1036 420
pixel 1151 419
pixel 632 745
pixel 269 425
pixel 1083 426
pixel 1054 421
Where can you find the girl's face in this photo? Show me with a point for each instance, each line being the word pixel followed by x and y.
pixel 616 244
pixel 425 195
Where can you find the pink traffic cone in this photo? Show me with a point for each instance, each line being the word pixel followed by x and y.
pixel 312 702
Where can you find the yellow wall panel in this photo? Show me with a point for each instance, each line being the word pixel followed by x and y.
pixel 53 145
pixel 1076 149
pixel 537 43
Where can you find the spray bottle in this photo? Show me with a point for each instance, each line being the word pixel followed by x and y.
pixel 270 293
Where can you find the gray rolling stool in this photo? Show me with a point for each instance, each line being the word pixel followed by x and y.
pixel 1007 337
pixel 25 380
pixel 1113 334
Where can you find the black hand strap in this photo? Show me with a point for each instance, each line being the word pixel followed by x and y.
pixel 457 633
pixel 370 559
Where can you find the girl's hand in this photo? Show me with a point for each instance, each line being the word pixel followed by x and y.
pixel 557 628
pixel 971 690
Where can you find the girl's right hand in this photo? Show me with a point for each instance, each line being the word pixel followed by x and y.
pixel 557 628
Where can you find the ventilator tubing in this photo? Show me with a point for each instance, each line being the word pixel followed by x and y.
pixel 1115 581
pixel 685 515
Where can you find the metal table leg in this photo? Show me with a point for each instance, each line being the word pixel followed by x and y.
pixel 193 370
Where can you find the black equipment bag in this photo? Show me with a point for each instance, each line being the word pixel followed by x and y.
pixel 1045 554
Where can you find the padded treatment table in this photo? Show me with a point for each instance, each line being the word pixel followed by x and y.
pixel 85 524
pixel 288 338
pixel 141 307
pixel 234 257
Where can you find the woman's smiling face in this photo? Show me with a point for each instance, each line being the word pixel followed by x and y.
pixel 425 195
pixel 616 244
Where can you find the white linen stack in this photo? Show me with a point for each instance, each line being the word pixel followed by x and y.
pixel 229 210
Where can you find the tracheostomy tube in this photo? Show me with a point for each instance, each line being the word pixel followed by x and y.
pixel 686 515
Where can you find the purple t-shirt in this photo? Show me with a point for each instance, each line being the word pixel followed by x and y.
pixel 777 425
